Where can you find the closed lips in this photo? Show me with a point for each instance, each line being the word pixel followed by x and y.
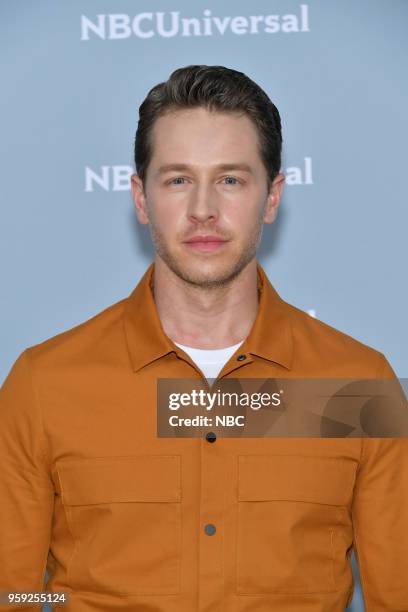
pixel 206 239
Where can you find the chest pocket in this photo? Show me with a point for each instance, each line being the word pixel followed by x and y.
pixel 124 514
pixel 293 530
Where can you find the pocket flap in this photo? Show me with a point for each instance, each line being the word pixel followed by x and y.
pixel 325 480
pixel 99 480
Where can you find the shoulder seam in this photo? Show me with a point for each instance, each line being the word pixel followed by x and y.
pixel 381 366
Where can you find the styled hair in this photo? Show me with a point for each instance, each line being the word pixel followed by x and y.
pixel 215 88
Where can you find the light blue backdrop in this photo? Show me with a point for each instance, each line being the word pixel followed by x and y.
pixel 73 76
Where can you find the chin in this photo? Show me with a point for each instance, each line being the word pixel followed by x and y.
pixel 207 273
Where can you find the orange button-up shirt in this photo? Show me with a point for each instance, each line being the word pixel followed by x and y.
pixel 125 520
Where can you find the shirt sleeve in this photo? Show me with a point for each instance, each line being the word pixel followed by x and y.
pixel 26 489
pixel 380 519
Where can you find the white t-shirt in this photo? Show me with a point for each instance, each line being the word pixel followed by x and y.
pixel 210 361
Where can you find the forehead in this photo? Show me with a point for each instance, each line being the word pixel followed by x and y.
pixel 198 136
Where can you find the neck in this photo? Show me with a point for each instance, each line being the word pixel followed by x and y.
pixel 200 318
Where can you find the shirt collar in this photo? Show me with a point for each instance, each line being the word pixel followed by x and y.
pixel 270 336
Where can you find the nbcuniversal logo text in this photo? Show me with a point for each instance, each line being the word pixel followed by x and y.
pixel 117 178
pixel 119 26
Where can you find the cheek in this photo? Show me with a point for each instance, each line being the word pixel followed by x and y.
pixel 243 214
pixel 168 219
pixel 161 210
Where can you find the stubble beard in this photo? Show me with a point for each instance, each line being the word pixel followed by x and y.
pixel 214 279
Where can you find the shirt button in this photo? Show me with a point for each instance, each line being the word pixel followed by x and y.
pixel 241 357
pixel 210 529
pixel 210 436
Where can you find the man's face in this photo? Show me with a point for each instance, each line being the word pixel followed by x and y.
pixel 206 180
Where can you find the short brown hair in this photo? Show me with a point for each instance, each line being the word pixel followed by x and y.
pixel 215 88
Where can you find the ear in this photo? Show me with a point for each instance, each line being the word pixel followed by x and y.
pixel 274 196
pixel 139 199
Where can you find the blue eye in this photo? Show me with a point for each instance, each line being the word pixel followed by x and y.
pixel 178 178
pixel 228 178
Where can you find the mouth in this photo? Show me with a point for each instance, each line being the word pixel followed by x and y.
pixel 205 243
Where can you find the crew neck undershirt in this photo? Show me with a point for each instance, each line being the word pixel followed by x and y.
pixel 210 361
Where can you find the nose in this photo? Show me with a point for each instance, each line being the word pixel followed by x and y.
pixel 203 205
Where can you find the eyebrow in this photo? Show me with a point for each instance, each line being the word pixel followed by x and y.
pixel 225 167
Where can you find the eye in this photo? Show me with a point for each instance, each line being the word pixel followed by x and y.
pixel 231 178
pixel 177 178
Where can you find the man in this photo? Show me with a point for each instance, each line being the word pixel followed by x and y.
pixel 125 519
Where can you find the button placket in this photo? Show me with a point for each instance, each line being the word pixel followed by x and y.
pixel 211 538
